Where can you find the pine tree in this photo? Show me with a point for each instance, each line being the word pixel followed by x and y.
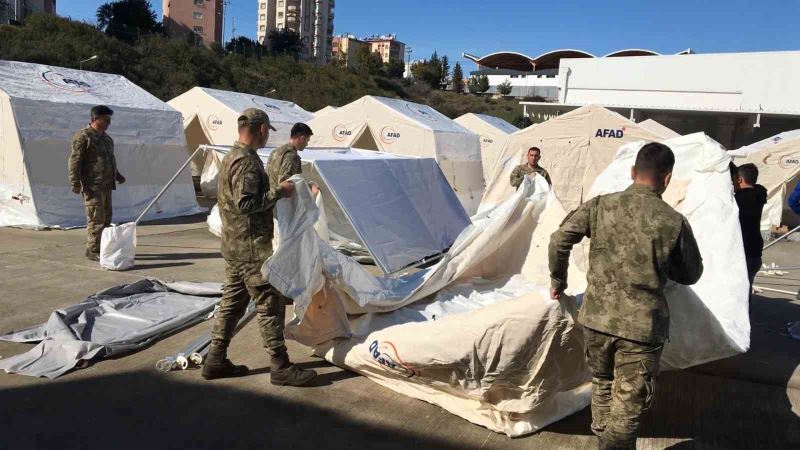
pixel 445 69
pixel 483 84
pixel 458 79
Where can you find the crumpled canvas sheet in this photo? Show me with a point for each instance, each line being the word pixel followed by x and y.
pixel 121 319
pixel 477 333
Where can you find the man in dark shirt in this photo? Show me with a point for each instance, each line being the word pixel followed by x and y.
pixel 751 198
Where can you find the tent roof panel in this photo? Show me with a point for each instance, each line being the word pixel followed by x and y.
pixel 44 83
pixel 422 114
pixel 278 110
pixel 495 122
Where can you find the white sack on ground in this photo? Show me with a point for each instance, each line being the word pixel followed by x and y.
pixel 477 333
pixel 121 319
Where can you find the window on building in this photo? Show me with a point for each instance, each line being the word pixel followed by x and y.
pixel 198 30
pixel 280 2
pixel 263 5
pixel 280 25
pixel 280 14
pixel 262 28
pixel 262 17
pixel 197 15
pixel 199 2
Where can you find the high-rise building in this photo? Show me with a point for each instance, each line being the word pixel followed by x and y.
pixel 387 46
pixel 311 19
pixel 200 17
pixel 16 11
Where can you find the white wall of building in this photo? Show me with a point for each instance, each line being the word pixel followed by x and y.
pixel 765 81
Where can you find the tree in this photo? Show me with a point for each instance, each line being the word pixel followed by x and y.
pixel 127 19
pixel 483 84
pixel 368 61
pixel 458 79
pixel 428 72
pixel 285 42
pixel 473 85
pixel 504 88
pixel 445 69
pixel 394 69
pixel 245 46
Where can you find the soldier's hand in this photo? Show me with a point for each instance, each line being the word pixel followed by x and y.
pixel 288 188
pixel 120 178
pixel 555 294
pixel 76 189
pixel 314 189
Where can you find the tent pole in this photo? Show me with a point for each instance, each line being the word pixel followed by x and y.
pixel 169 183
pixel 785 235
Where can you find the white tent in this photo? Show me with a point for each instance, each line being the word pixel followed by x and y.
pixel 659 129
pixel 405 128
pixel 778 162
pixel 493 132
pixel 41 107
pixel 399 209
pixel 477 333
pixel 325 110
pixel 209 117
pixel 576 148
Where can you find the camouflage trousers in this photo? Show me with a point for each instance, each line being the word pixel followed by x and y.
pixel 243 282
pixel 624 375
pixel 98 216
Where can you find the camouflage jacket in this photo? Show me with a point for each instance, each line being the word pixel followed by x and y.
pixel 282 164
pixel 637 242
pixel 92 164
pixel 246 203
pixel 523 169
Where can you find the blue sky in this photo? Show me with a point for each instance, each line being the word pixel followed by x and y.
pixel 599 27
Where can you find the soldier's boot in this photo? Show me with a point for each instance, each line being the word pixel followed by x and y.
pixel 284 373
pixel 92 255
pixel 217 364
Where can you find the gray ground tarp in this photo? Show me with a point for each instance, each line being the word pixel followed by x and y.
pixel 117 320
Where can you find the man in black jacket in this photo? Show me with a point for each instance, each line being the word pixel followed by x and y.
pixel 751 198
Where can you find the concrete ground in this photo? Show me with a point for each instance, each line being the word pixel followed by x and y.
pixel 748 401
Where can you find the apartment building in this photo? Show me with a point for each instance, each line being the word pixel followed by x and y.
pixel 200 17
pixel 387 46
pixel 345 49
pixel 16 11
pixel 311 19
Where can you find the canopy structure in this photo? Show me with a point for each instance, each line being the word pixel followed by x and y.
pixel 478 333
pixel 493 132
pixel 405 128
pixel 575 147
pixel 41 108
pixel 209 117
pixel 778 162
pixel 325 110
pixel 400 209
pixel 659 129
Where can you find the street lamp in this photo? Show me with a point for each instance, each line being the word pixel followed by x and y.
pixel 80 64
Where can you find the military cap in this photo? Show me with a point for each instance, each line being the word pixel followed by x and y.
pixel 252 116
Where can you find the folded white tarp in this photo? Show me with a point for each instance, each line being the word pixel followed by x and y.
pixel 477 333
pixel 401 209
pixel 121 319
pixel 41 107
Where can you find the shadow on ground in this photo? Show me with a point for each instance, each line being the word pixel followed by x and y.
pixel 147 410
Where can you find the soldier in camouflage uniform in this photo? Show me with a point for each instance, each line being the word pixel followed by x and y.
pixel 246 203
pixel 531 166
pixel 637 242
pixel 284 162
pixel 93 173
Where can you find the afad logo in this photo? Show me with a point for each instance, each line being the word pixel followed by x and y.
pixel 60 81
pixel 268 108
pixel 214 122
pixel 341 133
pixel 385 354
pixel 486 141
pixel 789 162
pixel 389 135
pixel 609 133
